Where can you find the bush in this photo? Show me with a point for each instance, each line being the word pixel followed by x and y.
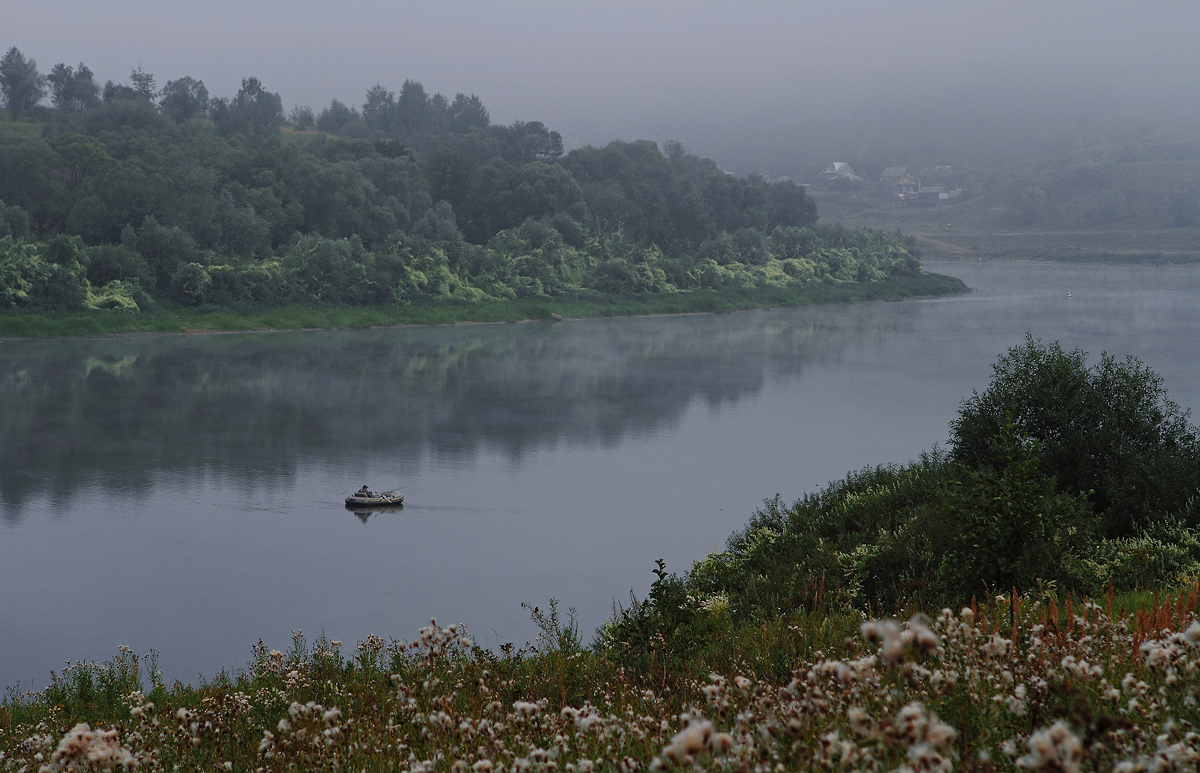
pixel 1108 432
pixel 994 514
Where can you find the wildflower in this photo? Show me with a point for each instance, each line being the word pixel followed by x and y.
pixel 689 742
pixel 996 647
pixel 892 639
pixel 482 766
pixel 1016 701
pixel 719 743
pixel 1054 749
pixel 83 749
pixel 861 722
pixel 526 708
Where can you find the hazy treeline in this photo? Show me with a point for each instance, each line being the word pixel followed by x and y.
pixel 130 194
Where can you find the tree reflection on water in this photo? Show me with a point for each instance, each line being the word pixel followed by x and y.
pixel 116 412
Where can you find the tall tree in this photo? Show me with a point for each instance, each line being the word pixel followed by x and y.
pixel 467 113
pixel 20 83
pixel 143 84
pixel 253 111
pixel 184 99
pixel 380 109
pixel 525 142
pixel 412 107
pixel 73 91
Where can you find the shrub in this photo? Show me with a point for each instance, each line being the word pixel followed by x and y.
pixel 1108 431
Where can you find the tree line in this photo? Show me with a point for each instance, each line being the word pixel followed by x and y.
pixel 133 195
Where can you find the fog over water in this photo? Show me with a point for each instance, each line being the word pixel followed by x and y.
pixel 760 86
pixel 185 492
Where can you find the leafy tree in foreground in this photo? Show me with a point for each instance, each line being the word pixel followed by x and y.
pixel 1107 431
pixel 20 83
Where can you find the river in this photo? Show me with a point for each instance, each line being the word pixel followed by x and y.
pixel 185 492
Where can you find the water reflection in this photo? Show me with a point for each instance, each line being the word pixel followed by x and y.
pixel 364 512
pixel 187 493
pixel 113 414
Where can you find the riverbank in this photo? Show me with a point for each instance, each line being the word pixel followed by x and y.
pixel 218 319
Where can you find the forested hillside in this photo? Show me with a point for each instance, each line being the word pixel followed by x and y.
pixel 129 196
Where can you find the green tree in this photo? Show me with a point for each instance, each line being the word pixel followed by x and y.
pixel 526 142
pixel 335 118
pixel 254 111
pixel 20 83
pixel 1107 431
pixel 184 99
pixel 1009 527
pixel 301 118
pixel 143 84
pixel 412 108
pixel 467 113
pixel 379 111
pixel 14 222
pixel 73 91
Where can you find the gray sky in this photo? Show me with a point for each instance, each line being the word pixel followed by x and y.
pixel 737 80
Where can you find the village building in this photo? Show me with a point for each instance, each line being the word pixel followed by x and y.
pixel 931 195
pixel 839 170
pixel 893 174
pixel 899 187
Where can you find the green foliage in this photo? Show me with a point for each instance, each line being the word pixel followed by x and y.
pixel 20 83
pixel 1108 432
pixel 14 222
pixel 992 515
pixel 415 199
pixel 1008 527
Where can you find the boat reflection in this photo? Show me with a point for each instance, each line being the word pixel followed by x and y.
pixel 364 512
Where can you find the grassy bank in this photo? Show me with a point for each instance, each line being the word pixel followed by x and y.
pixel 207 318
pixel 1017 682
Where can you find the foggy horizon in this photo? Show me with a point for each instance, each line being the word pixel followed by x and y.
pixel 766 87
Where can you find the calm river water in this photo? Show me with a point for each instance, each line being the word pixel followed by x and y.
pixel 185 492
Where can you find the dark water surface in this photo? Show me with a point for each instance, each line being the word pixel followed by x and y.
pixel 185 492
